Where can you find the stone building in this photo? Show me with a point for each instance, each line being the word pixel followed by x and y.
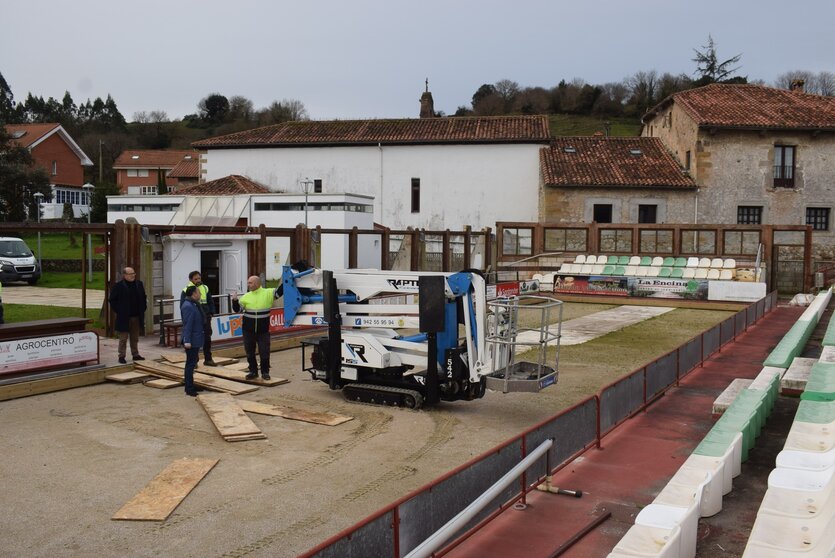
pixel 758 155
pixel 613 180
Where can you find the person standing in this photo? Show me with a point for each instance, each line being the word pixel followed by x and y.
pixel 128 301
pixel 207 307
pixel 193 334
pixel 1 304
pixel 256 305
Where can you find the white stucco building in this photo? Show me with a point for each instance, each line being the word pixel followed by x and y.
pixel 433 173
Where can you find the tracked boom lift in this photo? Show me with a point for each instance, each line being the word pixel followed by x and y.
pixel 366 357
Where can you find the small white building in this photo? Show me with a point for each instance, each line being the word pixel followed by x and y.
pixel 432 173
pixel 235 201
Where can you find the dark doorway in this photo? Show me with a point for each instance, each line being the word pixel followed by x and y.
pixel 210 270
pixel 603 213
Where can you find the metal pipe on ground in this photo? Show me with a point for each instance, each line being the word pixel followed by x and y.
pixel 434 542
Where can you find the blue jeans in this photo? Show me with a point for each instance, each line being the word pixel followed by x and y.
pixel 192 355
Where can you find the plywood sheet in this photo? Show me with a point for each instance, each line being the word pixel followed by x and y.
pixel 164 493
pixel 163 383
pixel 171 372
pixel 127 377
pixel 328 419
pixel 227 416
pixel 235 375
pixel 181 357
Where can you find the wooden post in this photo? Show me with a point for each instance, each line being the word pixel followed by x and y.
pixel 414 256
pixel 84 275
pixel 445 256
pixel 262 250
pixel 767 239
pixel 594 238
pixel 488 248
pixel 352 247
pixel 467 255
pixel 384 249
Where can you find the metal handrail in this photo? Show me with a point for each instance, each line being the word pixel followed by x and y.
pixel 164 301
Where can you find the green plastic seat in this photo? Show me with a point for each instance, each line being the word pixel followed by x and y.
pixel 681 262
pixel 646 260
pixel 619 270
pixel 677 273
pixel 612 260
pixel 608 270
pixel 665 272
pixel 723 439
pixel 817 412
pixel 623 260
pixel 669 261
pixel 829 336
pixel 821 383
pixel 790 345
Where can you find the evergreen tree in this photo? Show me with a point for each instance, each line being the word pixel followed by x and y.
pixel 19 180
pixel 708 67
pixel 162 188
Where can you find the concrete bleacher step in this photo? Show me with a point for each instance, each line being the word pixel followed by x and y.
pixel 721 404
pixel 795 378
pixel 827 354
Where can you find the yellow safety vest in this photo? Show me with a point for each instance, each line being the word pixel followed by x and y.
pixel 204 291
pixel 256 306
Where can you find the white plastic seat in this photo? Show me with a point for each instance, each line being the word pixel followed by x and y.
pixel 547 282
pixel 704 262
pixel 590 259
pixel 566 268
pixel 808 536
pixel 711 503
pixel 642 271
pixel 688 273
pixel 717 263
pixel 808 436
pixel 580 259
pixel 803 481
pixel 701 273
pixel 653 271
pixel 730 263
pixel 713 274
pixel 808 460
pixel 635 260
pixel 597 269
pixel 692 261
pixel 630 270
pixel 585 269
pixel 641 540
pixel 726 275
pixel 670 517
pixel 728 465
pixel 657 261
pixel 537 277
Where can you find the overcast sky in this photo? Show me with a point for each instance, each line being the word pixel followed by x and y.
pixel 369 59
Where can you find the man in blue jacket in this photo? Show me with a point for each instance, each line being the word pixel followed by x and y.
pixel 192 335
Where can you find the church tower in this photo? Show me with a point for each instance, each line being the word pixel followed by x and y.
pixel 427 105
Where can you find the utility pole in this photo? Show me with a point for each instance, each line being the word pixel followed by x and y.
pixel 101 167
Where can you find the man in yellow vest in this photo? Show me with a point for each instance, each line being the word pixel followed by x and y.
pixel 256 305
pixel 207 309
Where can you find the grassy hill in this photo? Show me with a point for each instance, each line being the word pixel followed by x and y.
pixel 579 125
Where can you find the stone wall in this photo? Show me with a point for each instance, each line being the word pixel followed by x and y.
pixel 66 266
pixel 575 205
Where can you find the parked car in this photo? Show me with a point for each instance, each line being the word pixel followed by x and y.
pixel 17 263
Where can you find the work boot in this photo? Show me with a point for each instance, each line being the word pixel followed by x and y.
pixel 265 376
pixel 122 360
pixel 209 362
pixel 191 393
pixel 252 376
pixel 139 357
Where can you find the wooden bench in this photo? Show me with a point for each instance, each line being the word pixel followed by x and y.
pixel 172 331
pixel 37 328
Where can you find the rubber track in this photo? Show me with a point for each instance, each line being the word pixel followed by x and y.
pixel 371 387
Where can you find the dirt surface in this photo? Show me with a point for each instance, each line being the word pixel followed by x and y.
pixel 73 458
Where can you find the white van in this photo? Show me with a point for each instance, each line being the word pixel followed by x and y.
pixel 17 262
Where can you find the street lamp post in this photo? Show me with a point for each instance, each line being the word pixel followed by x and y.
pixel 306 184
pixel 89 189
pixel 38 196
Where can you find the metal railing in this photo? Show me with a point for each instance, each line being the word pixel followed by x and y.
pixel 402 526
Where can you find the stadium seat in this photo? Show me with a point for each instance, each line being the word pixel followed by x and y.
pixel 609 270
pixel 642 271
pixel 678 273
pixel 726 275
pixel 580 259
pixel 704 262
pixel 623 260
pixel 669 261
pixel 701 273
pixel 688 273
pixel 591 259
pixel 630 270
pixel 612 260
pixel 730 263
pixel 713 274
pixel 641 540
pixel 585 269
pixel 717 263
pixel 653 271
pixel 619 271
pixel 692 262
pixel 681 262
pixel 665 272
pixel 635 260
pixel 657 261
pixel 646 260
pixel 597 269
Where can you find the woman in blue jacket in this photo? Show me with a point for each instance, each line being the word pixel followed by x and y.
pixel 192 335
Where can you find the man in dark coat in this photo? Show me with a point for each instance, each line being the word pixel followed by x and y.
pixel 193 321
pixel 128 301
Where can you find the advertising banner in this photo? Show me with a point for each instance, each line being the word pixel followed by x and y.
pixel 656 287
pixel 594 284
pixel 230 326
pixel 44 352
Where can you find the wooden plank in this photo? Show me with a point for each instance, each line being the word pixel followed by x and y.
pixel 174 357
pixel 177 358
pixel 240 365
pixel 127 377
pixel 227 416
pixel 58 383
pixel 245 437
pixel 171 372
pixel 164 493
pixel 163 383
pixel 236 375
pixel 328 419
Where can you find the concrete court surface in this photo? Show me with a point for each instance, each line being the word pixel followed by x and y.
pixel 583 329
pixel 44 296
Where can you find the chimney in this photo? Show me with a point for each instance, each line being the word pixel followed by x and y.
pixel 427 105
pixel 797 85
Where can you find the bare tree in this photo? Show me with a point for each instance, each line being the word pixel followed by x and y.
pixel 241 108
pixel 826 84
pixel 507 91
pixel 785 80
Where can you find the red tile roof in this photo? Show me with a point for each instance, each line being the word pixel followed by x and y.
pixel 485 129
pixel 152 158
pixel 619 162
pixel 226 186
pixel 752 106
pixel 31 132
pixel 187 168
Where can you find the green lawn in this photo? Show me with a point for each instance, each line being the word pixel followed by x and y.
pixel 56 280
pixel 579 125
pixel 57 246
pixel 27 313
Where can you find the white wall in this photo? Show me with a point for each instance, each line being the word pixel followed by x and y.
pixel 461 185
